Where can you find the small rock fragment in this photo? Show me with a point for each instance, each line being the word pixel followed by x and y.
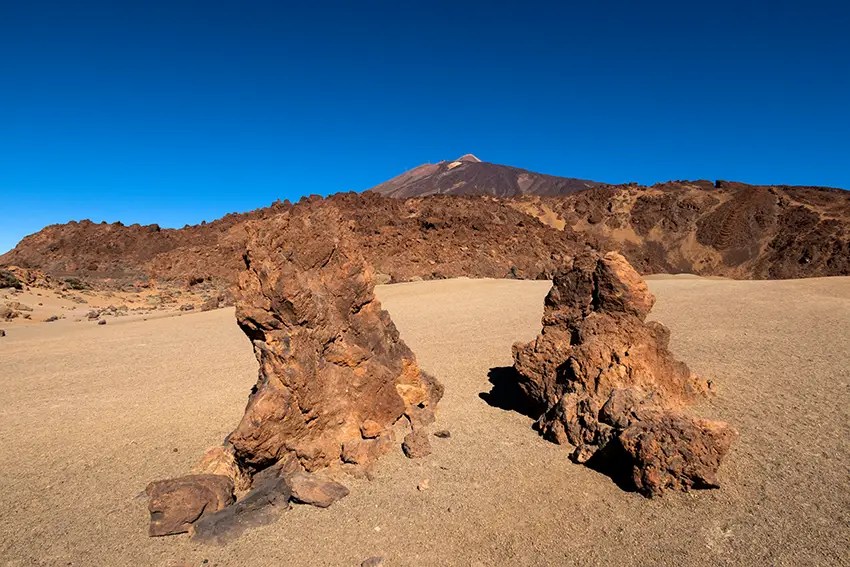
pixel 416 444
pixel 373 562
pixel 51 319
pixel 443 434
pixel 2 333
pixel 102 322
pixel 175 504
pixel 424 485
pixel 315 490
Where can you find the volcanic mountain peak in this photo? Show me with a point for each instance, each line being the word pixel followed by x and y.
pixel 468 175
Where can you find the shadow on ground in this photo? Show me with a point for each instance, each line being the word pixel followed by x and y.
pixel 506 394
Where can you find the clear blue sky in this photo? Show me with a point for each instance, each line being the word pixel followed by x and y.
pixel 176 112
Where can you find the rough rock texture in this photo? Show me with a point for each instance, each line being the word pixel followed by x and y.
pixel 331 360
pixel 610 386
pixel 175 504
pixel 315 490
pixel 222 461
pixel 269 495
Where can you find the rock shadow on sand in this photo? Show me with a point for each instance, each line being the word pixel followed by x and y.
pixel 506 393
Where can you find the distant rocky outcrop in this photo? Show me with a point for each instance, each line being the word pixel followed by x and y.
pixel 711 229
pixel 609 386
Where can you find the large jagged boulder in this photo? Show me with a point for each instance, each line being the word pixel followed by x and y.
pixel 334 378
pixel 332 364
pixel 609 384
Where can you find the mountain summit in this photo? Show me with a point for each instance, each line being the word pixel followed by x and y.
pixel 468 175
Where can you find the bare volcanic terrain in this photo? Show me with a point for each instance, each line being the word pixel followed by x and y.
pixel 90 414
pixel 712 229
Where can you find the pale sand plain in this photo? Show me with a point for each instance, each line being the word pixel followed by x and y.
pixel 90 414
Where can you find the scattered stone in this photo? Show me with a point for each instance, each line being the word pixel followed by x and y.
pixel 177 503
pixel 314 490
pixel 187 307
pixel 93 314
pixel 269 495
pixel 416 444
pixel 51 319
pixel 382 279
pixel 373 562
pixel 330 358
pixel 102 322
pixel 443 434
pixel 608 384
pixel 423 485
pixel 6 313
pixel 2 333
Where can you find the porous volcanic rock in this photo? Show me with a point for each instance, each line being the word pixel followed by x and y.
pixel 175 504
pixel 609 384
pixel 331 360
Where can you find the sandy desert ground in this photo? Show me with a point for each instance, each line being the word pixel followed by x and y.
pixel 89 414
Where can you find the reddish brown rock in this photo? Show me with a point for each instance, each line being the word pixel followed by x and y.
pixel 175 504
pixel 370 429
pixel 416 444
pixel 606 379
pixel 330 357
pixel 315 490
pixel 269 495
pixel 221 460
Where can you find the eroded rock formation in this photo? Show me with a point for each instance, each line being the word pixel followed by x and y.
pixel 332 364
pixel 334 378
pixel 610 386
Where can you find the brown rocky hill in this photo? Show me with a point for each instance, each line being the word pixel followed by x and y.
pixel 468 175
pixel 714 229
pixel 434 237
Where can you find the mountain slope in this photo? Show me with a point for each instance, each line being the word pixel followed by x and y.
pixel 468 175
pixel 724 229
pixel 710 229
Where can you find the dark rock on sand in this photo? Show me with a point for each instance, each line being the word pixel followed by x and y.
pixel 175 504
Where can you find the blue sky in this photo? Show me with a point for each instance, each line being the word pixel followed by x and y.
pixel 176 112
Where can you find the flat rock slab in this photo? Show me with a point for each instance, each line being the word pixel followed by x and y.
pixel 315 490
pixel 175 504
pixel 269 496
